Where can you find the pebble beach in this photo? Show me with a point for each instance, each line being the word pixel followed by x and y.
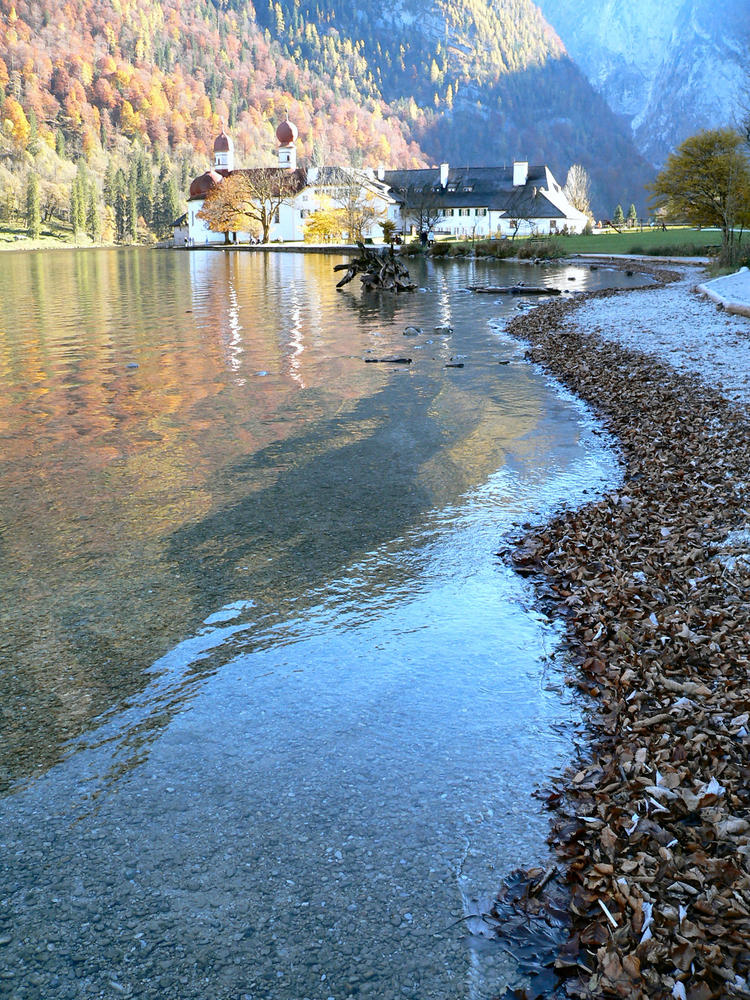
pixel 682 328
pixel 651 824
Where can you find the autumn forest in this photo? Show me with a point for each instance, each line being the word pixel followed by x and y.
pixel 109 107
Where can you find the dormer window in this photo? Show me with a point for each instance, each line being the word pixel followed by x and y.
pixel 468 187
pixel 452 187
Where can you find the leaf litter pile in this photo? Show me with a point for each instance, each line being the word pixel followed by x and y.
pixel 650 896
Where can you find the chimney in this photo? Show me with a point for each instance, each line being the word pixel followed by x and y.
pixel 381 172
pixel 520 172
pixel 443 174
pixel 312 175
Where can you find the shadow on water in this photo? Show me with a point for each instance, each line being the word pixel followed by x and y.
pixel 282 549
pixel 322 509
pixel 182 432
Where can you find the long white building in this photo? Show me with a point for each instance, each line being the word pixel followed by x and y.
pixel 517 200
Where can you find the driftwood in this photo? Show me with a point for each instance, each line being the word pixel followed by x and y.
pixel 514 289
pixel 377 270
pixel 387 361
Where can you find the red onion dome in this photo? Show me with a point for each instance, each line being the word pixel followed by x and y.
pixel 286 133
pixel 222 143
pixel 205 183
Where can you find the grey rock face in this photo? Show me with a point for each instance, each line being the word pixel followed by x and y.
pixel 673 67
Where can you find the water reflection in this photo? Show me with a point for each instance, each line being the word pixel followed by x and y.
pixel 182 430
pixel 249 591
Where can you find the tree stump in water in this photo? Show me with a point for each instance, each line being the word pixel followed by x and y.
pixel 377 270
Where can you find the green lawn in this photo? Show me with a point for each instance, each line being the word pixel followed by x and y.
pixel 14 237
pixel 679 240
pixel 675 241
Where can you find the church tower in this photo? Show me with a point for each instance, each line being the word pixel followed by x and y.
pixel 286 133
pixel 223 153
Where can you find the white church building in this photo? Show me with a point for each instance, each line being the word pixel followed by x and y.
pixel 477 202
pixel 313 188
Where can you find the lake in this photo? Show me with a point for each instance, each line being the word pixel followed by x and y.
pixel 272 708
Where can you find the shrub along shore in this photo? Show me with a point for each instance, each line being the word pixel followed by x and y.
pixel 651 891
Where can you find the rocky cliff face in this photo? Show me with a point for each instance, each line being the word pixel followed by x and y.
pixel 672 67
pixel 476 82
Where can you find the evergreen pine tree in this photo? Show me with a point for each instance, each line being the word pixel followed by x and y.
pixel 120 202
pixel 33 213
pixel 632 215
pixel 132 203
pixel 169 206
pixel 60 144
pixel 187 170
pixel 108 187
pixel 619 216
pixel 33 143
pixel 93 217
pixel 83 186
pixel 78 199
pixel 145 188
pixel 166 201
pixel 75 208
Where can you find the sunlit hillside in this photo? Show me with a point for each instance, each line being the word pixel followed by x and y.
pixel 124 97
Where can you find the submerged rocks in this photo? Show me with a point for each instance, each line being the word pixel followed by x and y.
pixel 652 822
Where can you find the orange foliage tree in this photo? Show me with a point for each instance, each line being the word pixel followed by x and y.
pixel 254 196
pixel 15 123
pixel 225 208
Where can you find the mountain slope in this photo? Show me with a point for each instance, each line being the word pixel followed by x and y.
pixel 672 67
pixel 474 81
pixel 479 82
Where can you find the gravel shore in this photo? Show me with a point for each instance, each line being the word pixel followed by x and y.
pixel 682 329
pixel 652 823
